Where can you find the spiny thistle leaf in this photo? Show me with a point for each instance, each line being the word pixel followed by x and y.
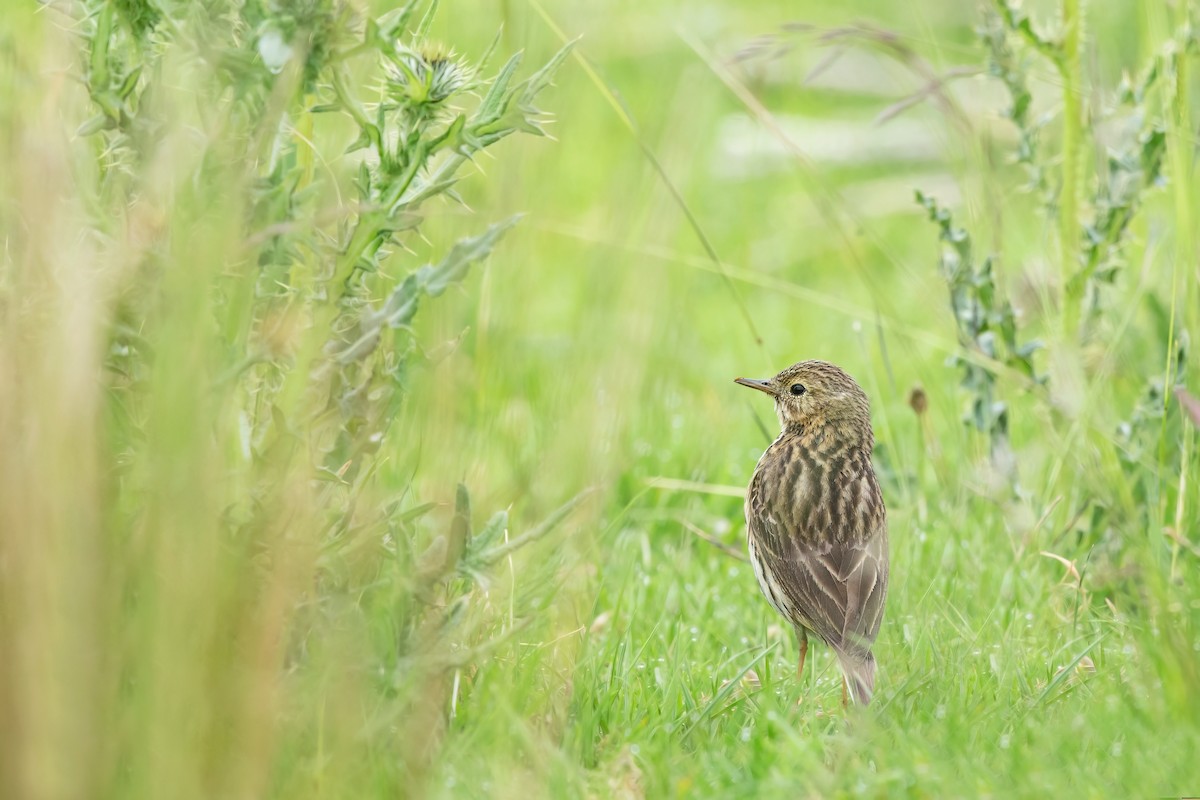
pixel 462 255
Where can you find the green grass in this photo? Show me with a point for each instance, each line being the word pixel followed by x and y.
pixel 179 618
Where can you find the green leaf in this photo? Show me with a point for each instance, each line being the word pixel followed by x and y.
pixel 401 305
pixel 549 524
pixel 390 24
pixel 495 101
pixel 363 141
pixel 94 125
pixel 127 85
pixel 453 268
pixel 460 525
pixel 426 21
pixel 535 83
pixel 1063 674
pixel 452 136
pixel 491 532
pixel 98 77
pixel 109 103
pixel 491 49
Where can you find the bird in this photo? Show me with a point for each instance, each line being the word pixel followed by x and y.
pixel 816 525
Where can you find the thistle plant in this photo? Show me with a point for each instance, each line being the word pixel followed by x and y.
pixel 1093 250
pixel 1094 236
pixel 987 328
pixel 255 320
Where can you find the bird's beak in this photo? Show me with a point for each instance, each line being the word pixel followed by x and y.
pixel 762 386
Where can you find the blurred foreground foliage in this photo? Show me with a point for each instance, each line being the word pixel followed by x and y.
pixel 235 344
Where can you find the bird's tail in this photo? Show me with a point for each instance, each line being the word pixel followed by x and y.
pixel 860 675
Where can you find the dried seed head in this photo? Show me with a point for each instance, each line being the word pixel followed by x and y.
pixel 918 400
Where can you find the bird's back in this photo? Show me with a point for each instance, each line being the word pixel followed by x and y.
pixel 817 532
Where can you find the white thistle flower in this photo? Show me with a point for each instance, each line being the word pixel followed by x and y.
pixel 430 75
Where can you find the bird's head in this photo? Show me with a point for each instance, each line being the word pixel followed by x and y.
pixel 816 396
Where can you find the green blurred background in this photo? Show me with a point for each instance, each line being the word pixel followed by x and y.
pixel 1041 635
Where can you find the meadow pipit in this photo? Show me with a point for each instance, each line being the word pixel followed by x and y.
pixel 815 519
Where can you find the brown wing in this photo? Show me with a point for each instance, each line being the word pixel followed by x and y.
pixel 833 585
pixel 835 589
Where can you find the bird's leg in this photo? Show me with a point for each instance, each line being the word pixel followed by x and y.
pixel 802 640
pixel 844 692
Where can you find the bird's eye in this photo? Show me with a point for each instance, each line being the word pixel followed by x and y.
pixel 798 389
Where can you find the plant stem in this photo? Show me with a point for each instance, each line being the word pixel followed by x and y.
pixel 1180 159
pixel 1072 146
